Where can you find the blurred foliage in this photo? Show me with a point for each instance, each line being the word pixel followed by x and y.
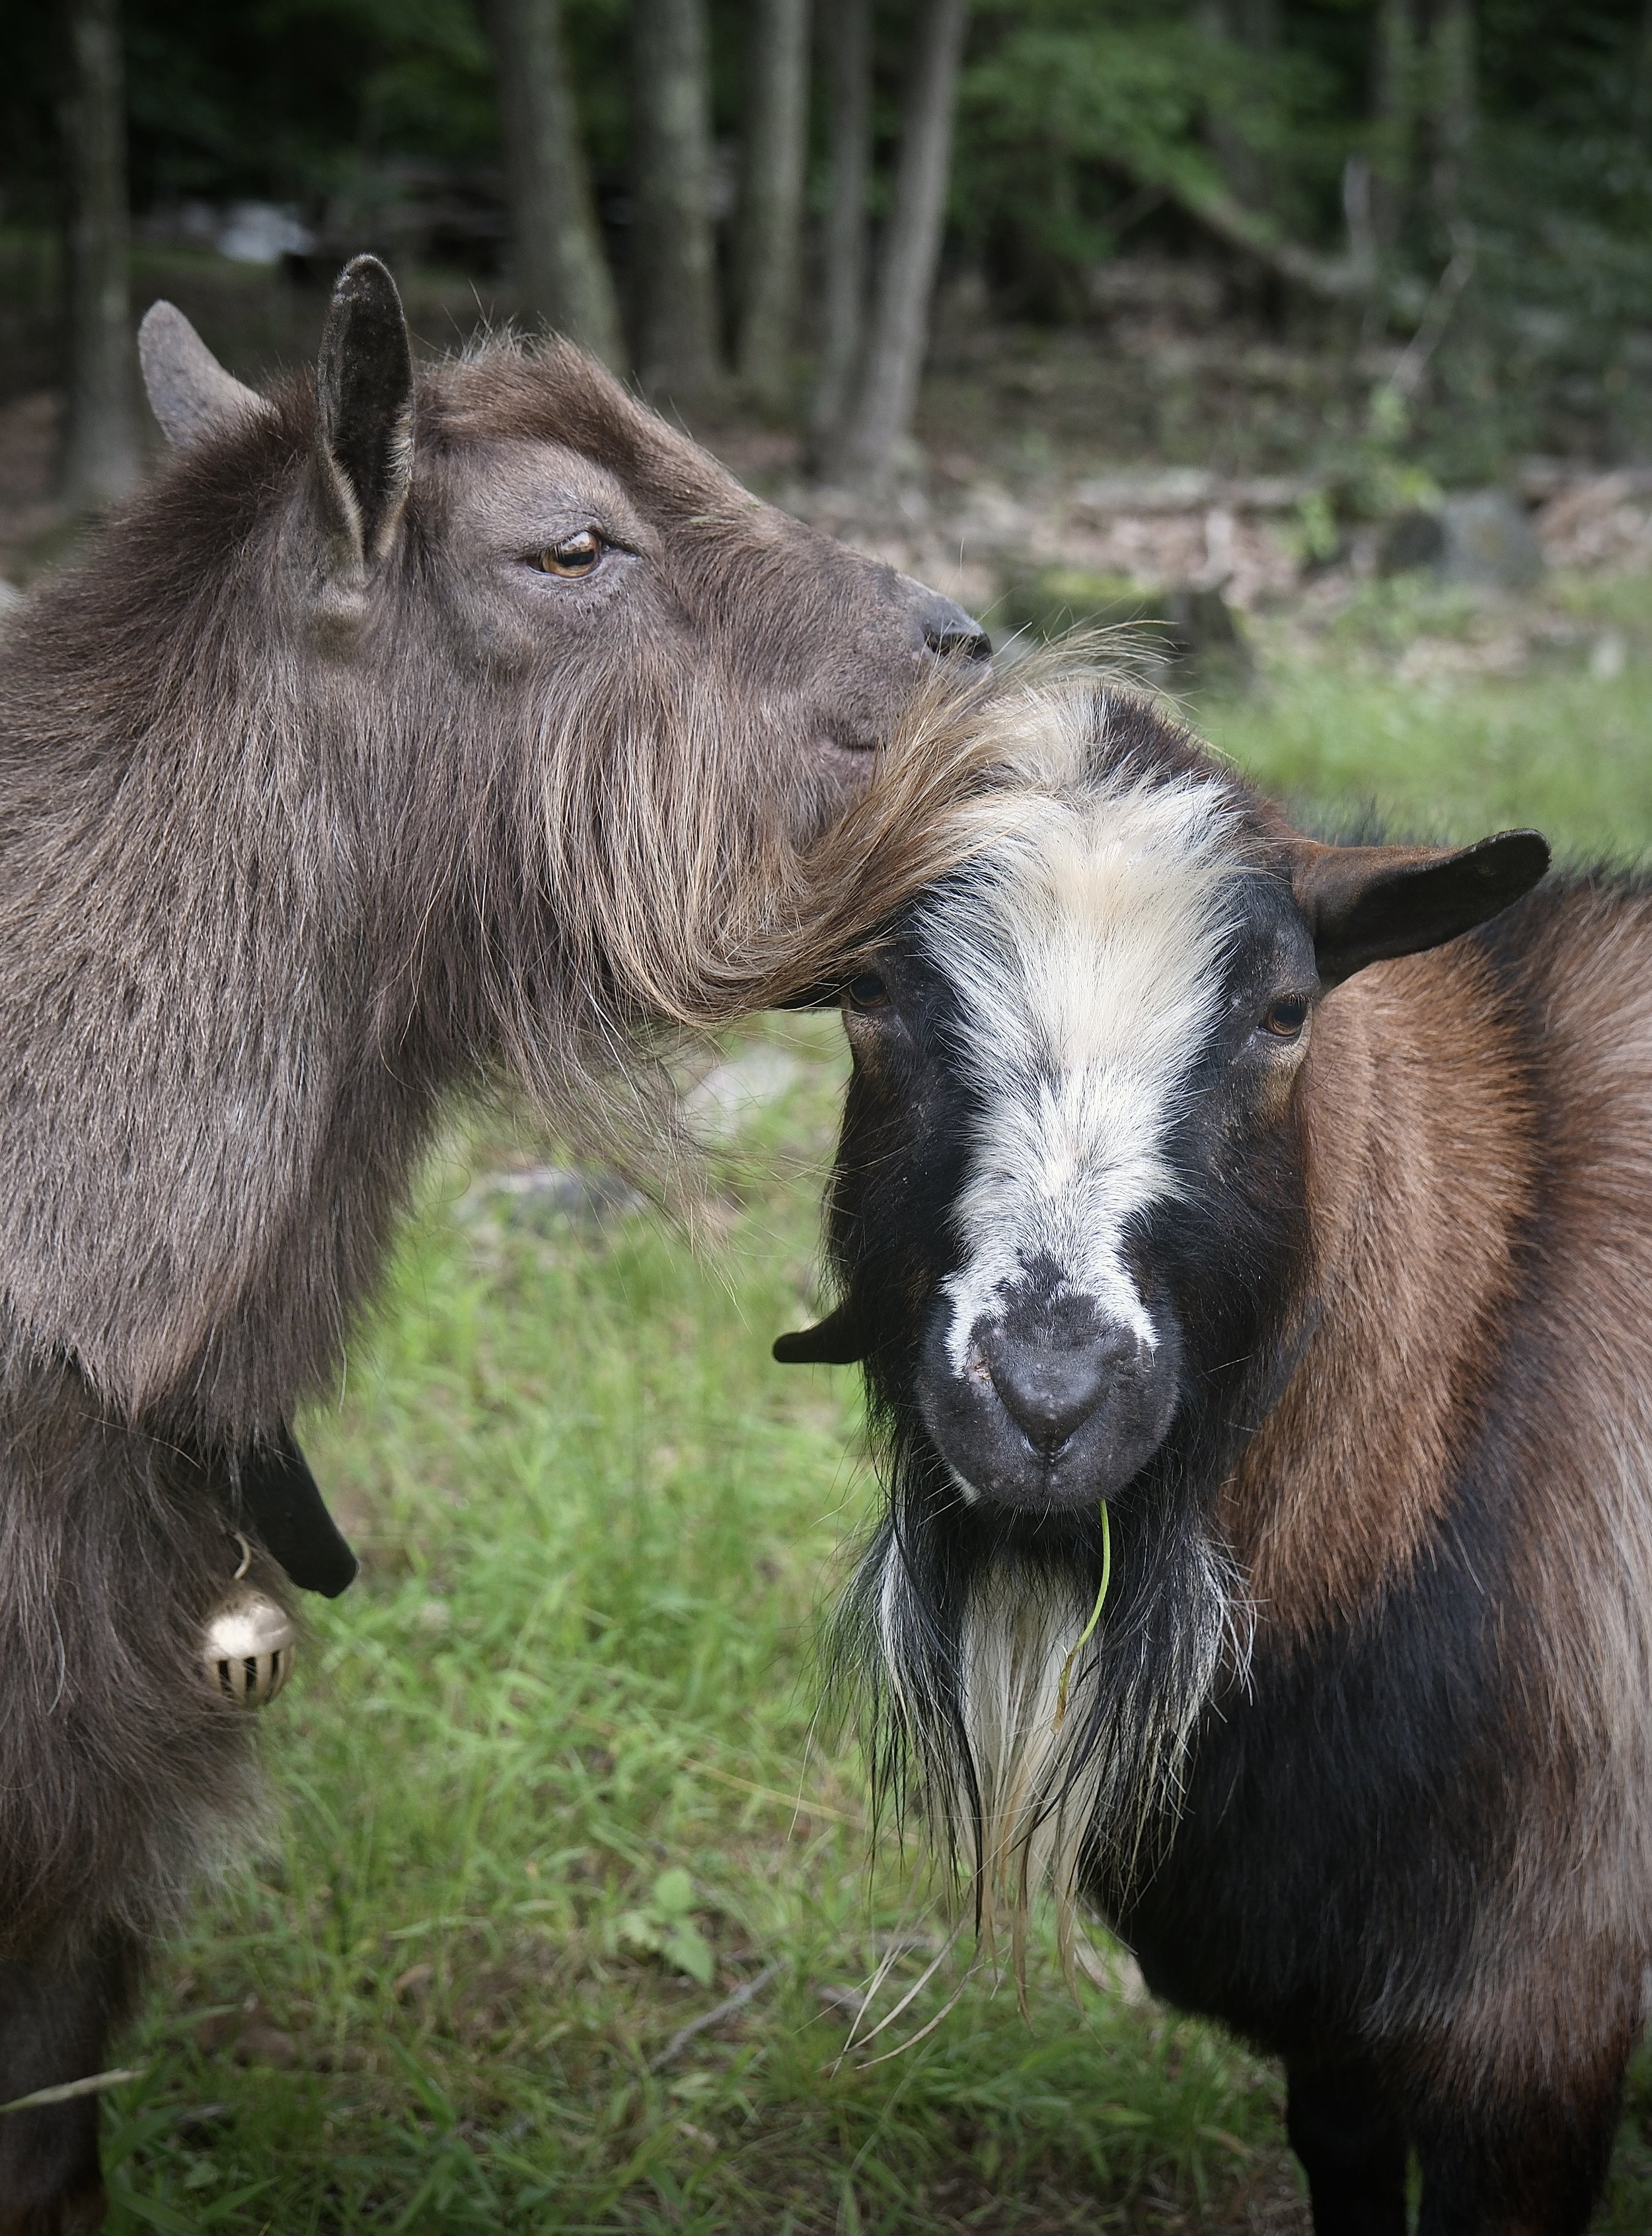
pixel 1088 129
pixel 1069 112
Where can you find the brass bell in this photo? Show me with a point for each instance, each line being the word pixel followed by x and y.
pixel 247 1652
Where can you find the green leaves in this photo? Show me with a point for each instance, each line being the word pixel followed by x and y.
pixel 664 1927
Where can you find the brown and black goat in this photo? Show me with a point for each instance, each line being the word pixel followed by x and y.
pixel 408 731
pixel 1277 1217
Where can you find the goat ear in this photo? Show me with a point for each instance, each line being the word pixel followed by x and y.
pixel 834 1341
pixel 364 395
pixel 189 392
pixel 1365 904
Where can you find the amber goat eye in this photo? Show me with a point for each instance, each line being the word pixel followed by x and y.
pixel 868 991
pixel 575 557
pixel 1285 1020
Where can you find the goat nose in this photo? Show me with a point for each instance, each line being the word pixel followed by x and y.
pixel 1048 1389
pixel 948 630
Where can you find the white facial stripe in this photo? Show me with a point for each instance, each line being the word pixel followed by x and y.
pixel 1086 953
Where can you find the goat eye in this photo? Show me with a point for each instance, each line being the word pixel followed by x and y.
pixel 1285 1019
pixel 574 555
pixel 868 991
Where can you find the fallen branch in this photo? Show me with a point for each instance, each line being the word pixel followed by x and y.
pixel 1403 381
pixel 1333 278
pixel 715 2016
pixel 1189 490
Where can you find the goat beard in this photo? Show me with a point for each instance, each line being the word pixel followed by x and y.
pixel 683 874
pixel 699 867
pixel 956 1631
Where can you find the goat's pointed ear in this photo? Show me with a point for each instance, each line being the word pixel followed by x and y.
pixel 834 1341
pixel 1365 904
pixel 189 392
pixel 364 395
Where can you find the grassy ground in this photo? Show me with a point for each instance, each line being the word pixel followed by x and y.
pixel 549 1785
pixel 1449 714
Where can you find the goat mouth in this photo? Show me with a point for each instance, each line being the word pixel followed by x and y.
pixel 1050 1411
pixel 990 1461
pixel 1042 1489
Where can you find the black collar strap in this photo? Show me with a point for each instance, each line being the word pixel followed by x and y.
pixel 274 1490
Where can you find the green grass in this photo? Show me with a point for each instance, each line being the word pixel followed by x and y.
pixel 549 1782
pixel 1368 714
pixel 549 1792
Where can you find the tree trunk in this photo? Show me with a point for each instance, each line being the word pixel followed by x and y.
pixel 1394 118
pixel 767 241
pixel 846 37
pixel 885 395
pixel 561 267
pixel 674 256
pixel 1251 25
pixel 100 459
pixel 1451 110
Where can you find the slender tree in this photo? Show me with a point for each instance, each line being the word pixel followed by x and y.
pixel 1452 106
pixel 767 231
pixel 674 256
pixel 885 393
pixel 845 39
pixel 100 446
pixel 561 267
pixel 1393 118
pixel 1641 66
pixel 1251 26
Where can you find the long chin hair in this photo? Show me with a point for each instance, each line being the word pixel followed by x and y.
pixel 691 885
pixel 958 1628
pixel 693 881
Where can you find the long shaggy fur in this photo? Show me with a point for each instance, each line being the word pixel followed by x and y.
pixel 278 877
pixel 123 1777
pixel 958 1627
pixel 955 1637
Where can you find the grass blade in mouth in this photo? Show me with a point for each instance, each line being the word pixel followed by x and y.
pixel 1088 1631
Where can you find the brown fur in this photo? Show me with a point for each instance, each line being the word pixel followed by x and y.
pixel 262 901
pixel 299 837
pixel 1428 1167
pixel 1419 1166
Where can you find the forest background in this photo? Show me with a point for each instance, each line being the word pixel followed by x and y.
pixel 745 207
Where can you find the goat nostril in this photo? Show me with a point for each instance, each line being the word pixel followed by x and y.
pixel 1050 1391
pixel 970 643
pixel 949 632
